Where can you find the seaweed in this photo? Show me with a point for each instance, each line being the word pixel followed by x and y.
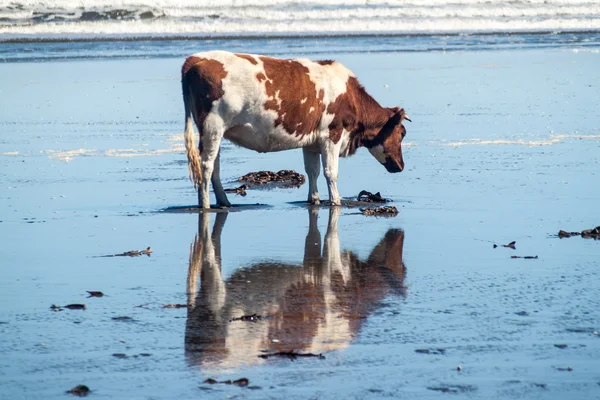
pixel 284 178
pixel 292 355
pixel 369 197
pixel 385 211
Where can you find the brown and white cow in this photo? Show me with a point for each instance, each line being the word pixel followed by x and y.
pixel 267 104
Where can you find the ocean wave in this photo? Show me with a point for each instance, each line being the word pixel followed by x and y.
pixel 173 29
pixel 164 18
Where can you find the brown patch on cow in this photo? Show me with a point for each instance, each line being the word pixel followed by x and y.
pixel 325 62
pixel 248 58
pixel 189 63
pixel 261 77
pixel 203 78
pixel 292 95
pixel 358 113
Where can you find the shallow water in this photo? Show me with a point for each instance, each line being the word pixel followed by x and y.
pixel 504 146
pixel 315 46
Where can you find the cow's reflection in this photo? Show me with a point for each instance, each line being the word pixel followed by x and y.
pixel 314 307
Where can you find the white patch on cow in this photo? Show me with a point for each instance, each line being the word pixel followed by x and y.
pixel 311 109
pixel 304 100
pixel 330 157
pixel 378 153
pixel 277 98
pixel 344 143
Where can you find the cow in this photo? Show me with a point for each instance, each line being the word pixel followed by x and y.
pixel 268 104
pixel 315 304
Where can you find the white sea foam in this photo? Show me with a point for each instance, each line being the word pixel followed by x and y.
pixel 595 51
pixel 575 136
pixel 175 145
pixel 106 18
pixel 179 148
pixel 68 155
pixel 479 142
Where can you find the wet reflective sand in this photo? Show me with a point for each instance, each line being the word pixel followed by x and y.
pixel 504 146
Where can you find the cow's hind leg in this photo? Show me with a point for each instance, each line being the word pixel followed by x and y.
pixel 216 183
pixel 211 141
pixel 313 169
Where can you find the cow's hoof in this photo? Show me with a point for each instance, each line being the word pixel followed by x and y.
pixel 314 202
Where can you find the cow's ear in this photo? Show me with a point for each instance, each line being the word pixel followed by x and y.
pixel 391 123
pixel 404 115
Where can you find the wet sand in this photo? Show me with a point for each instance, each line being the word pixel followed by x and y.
pixel 504 146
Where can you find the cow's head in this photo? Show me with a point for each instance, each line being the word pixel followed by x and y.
pixel 386 146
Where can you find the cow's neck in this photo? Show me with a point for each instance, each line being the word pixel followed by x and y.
pixel 371 117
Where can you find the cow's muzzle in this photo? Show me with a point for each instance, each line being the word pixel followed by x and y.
pixel 393 166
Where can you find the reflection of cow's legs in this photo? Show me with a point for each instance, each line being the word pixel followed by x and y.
pixel 313 169
pixel 205 318
pixel 312 244
pixel 216 233
pixel 211 140
pixel 211 281
pixel 195 261
pixel 330 153
pixel 331 249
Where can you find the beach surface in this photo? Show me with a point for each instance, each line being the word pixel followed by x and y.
pixel 504 146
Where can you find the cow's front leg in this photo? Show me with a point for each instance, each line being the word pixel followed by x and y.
pixel 330 157
pixel 216 183
pixel 312 167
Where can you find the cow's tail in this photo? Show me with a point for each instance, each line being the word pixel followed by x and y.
pixel 193 155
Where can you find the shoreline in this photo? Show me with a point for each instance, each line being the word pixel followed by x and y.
pixel 22 51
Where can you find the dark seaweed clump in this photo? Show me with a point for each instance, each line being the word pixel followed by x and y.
pixel 369 197
pixel 586 233
pixel 385 211
pixel 283 178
